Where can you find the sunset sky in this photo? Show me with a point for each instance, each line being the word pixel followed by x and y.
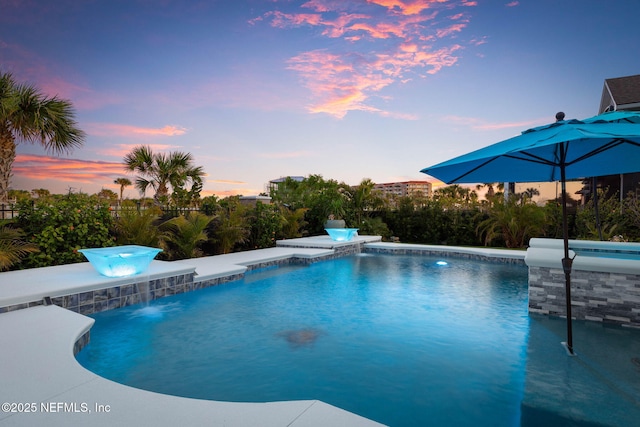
pixel 347 89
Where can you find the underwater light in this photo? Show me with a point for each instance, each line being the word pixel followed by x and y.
pixel 441 263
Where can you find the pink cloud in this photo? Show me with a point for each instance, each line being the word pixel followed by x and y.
pixel 406 7
pixel 121 150
pixel 512 4
pixel 480 124
pixel 400 39
pixel 444 32
pixel 112 129
pixel 68 170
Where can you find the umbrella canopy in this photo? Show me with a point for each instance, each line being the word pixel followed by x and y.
pixel 567 149
pixel 616 117
pixel 538 154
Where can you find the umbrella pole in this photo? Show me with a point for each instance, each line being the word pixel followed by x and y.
pixel 566 261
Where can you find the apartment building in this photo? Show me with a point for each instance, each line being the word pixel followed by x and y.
pixel 406 188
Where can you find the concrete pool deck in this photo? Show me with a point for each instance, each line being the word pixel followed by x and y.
pixel 44 384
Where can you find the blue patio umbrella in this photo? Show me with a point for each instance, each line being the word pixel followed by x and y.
pixel 567 149
pixel 622 116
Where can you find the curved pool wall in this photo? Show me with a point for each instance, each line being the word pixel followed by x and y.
pixel 605 280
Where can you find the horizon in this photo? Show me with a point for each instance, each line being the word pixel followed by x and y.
pixel 257 90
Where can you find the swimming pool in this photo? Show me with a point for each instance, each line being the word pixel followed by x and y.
pixel 398 339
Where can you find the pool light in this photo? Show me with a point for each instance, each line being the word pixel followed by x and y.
pixel 441 263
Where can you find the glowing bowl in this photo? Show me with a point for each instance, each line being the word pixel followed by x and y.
pixel 120 261
pixel 342 234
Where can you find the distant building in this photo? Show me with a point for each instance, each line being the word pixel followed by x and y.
pixel 405 189
pixel 621 93
pixel 273 184
pixel 252 200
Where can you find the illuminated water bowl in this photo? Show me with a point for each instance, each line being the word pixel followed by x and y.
pixel 342 234
pixel 120 261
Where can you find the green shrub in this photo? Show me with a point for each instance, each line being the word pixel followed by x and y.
pixel 61 225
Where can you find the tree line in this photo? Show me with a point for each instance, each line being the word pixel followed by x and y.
pixel 50 229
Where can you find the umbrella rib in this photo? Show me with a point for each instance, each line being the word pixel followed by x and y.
pixel 602 149
pixel 531 158
pixel 472 170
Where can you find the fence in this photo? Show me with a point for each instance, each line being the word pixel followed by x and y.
pixel 10 210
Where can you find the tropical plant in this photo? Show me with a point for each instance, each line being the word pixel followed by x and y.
pixel 162 171
pixel 606 222
pixel 230 227
pixel 107 195
pixel 28 115
pixel 138 227
pixel 184 235
pixel 320 197
pixel 513 222
pixel 12 247
pixel 61 225
pixel 209 205
pixel 40 193
pixel 294 223
pixel 123 183
pixel 456 197
pixel 266 221
pixel 19 195
pixel 363 200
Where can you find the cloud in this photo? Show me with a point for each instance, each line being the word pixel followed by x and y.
pixel 113 129
pixel 512 4
pixel 482 125
pixel 387 42
pixel 406 7
pixel 49 168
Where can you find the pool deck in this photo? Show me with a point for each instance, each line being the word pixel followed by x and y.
pixel 46 384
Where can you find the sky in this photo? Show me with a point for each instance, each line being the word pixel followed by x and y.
pixel 346 89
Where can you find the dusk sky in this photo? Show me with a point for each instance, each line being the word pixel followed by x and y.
pixel 347 89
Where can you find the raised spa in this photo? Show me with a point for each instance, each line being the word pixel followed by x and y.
pixel 120 261
pixel 342 234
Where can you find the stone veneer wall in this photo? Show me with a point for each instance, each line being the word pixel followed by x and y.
pixel 435 252
pixel 117 296
pixel 338 251
pixel 121 296
pixel 597 296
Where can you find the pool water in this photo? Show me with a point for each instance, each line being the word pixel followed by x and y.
pixel 403 340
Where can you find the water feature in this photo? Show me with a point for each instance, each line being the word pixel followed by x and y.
pixel 398 339
pixel 120 261
pixel 342 234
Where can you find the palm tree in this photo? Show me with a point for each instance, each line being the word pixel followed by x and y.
pixel 28 115
pixel 12 247
pixel 122 182
pixel 161 171
pixel 133 227
pixel 364 199
pixel 185 234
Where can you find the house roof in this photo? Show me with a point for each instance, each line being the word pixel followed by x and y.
pixel 623 92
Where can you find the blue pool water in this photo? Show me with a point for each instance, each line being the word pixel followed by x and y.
pixel 398 339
